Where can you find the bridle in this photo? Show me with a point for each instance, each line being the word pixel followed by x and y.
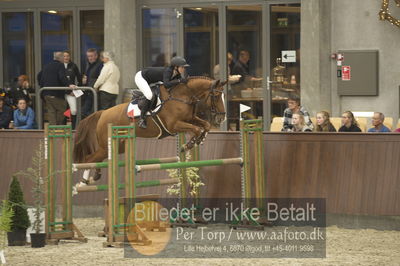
pixel 213 92
pixel 213 95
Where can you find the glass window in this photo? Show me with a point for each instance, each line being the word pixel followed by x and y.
pixel 56 28
pixel 244 63
pixel 18 56
pixel 159 36
pixel 92 32
pixel 201 40
pixel 285 72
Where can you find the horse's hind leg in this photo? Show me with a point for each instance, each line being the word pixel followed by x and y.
pixel 98 156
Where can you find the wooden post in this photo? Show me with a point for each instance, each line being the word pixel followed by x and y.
pixel 259 163
pixel 48 156
pixel 112 199
pixel 64 133
pixel 246 170
pixel 116 225
pixel 182 156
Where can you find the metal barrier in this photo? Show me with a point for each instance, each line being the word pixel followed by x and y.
pixel 39 107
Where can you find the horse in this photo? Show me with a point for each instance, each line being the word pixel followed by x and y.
pixel 177 114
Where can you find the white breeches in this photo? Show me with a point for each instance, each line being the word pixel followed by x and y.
pixel 72 103
pixel 143 85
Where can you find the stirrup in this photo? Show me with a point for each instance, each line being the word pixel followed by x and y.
pixel 142 123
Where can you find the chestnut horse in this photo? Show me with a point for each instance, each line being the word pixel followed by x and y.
pixel 177 114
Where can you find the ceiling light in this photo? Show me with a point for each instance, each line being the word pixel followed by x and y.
pixel 52 12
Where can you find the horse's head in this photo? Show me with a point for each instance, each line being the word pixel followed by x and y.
pixel 211 106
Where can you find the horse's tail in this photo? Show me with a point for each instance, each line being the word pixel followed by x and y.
pixel 85 137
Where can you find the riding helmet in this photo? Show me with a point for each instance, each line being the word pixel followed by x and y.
pixel 178 61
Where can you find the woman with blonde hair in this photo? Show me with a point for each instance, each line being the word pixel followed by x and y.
pixel 324 123
pixel 299 124
pixel 349 123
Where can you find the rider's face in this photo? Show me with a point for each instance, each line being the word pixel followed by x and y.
pixel 181 69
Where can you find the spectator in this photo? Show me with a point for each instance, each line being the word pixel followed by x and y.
pixel 92 72
pixel 75 77
pixel 6 114
pixel 107 82
pixel 349 123
pixel 299 124
pixel 295 107
pixel 242 65
pixel 22 90
pixel 377 122
pixel 24 116
pixel 53 75
pixel 397 130
pixel 160 61
pixel 324 123
pixel 231 78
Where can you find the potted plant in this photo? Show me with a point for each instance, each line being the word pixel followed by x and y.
pixel 6 214
pixel 34 173
pixel 20 220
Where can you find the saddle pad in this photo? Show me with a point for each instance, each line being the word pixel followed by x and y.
pixel 134 110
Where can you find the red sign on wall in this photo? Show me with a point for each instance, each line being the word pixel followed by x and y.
pixel 346 73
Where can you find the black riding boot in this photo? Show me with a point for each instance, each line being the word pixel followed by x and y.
pixel 73 121
pixel 144 108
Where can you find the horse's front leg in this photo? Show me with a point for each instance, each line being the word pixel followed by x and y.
pixel 205 125
pixel 181 126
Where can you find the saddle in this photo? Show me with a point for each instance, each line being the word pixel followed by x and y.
pixel 139 99
pixel 135 107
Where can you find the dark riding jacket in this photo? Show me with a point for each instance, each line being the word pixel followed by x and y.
pixel 164 74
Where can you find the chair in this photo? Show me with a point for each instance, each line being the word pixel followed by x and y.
pixel 314 120
pixel 336 122
pixel 362 126
pixel 388 122
pixel 276 126
pixel 362 122
pixel 277 119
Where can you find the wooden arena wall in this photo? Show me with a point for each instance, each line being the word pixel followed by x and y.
pixel 356 173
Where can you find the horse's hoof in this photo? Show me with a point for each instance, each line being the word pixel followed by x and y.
pixel 91 180
pixel 97 177
pixel 74 190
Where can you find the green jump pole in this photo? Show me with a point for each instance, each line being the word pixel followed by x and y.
pixel 148 183
pixel 122 163
pixel 179 165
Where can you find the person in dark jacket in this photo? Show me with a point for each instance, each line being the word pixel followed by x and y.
pixel 53 75
pixel 21 90
pixel 170 76
pixel 241 66
pixel 92 72
pixel 75 77
pixel 349 123
pixel 6 114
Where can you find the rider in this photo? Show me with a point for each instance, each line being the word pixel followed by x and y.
pixel 170 76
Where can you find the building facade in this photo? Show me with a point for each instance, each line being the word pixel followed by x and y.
pixel 280 48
